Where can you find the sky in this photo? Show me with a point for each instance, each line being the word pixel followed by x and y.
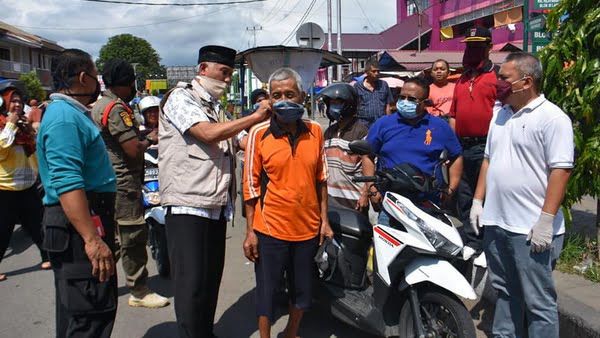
pixel 177 33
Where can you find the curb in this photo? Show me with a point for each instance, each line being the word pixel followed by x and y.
pixel 578 303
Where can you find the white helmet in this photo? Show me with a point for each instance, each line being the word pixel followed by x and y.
pixel 148 102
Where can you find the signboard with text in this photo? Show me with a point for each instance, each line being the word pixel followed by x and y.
pixel 544 4
pixel 537 24
pixel 539 41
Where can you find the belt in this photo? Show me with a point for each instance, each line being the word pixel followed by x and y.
pixel 472 141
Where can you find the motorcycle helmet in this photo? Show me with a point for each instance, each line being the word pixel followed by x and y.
pixel 147 103
pixel 10 84
pixel 343 92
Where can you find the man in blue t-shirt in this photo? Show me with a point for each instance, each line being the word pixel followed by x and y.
pixel 413 136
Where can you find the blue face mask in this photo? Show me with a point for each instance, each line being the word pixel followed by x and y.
pixel 255 106
pixel 407 109
pixel 288 112
pixel 335 111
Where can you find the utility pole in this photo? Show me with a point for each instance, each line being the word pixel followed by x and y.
pixel 329 46
pixel 339 37
pixel 136 79
pixel 419 25
pixel 526 26
pixel 254 29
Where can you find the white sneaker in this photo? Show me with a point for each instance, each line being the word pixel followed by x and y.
pixel 467 252
pixel 151 300
pixel 480 261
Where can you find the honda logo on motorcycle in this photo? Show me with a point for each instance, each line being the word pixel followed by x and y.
pixel 386 237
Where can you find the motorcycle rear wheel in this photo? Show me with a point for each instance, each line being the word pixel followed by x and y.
pixel 442 314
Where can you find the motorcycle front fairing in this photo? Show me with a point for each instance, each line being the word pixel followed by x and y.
pixel 426 237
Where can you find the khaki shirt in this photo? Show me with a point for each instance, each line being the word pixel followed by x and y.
pixel 121 127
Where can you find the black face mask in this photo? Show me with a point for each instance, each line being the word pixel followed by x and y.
pixel 93 96
pixel 131 95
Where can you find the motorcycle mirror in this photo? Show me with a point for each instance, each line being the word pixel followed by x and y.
pixel 360 147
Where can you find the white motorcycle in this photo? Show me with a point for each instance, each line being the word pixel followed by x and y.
pixel 413 288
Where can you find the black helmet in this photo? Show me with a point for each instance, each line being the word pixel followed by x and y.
pixel 10 84
pixel 343 92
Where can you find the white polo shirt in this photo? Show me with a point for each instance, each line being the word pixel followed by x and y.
pixel 522 148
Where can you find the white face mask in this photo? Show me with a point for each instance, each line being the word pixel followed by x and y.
pixel 215 88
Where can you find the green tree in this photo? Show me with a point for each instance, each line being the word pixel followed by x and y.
pixel 572 81
pixel 33 85
pixel 134 50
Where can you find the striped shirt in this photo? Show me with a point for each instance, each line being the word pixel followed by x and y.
pixel 17 170
pixel 342 164
pixel 283 172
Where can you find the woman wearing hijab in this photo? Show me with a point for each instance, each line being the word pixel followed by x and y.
pixel 20 201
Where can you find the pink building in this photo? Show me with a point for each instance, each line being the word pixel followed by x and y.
pixel 442 25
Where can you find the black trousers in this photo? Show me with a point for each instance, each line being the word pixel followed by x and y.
pixel 197 253
pixel 472 157
pixel 85 307
pixel 24 207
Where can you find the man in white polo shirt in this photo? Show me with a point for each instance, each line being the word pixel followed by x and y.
pixel 528 160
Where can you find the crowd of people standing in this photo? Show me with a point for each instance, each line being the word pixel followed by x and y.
pixel 87 212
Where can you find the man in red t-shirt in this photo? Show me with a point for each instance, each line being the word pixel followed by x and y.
pixel 470 115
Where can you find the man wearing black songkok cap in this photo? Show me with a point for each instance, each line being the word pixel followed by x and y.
pixel 197 185
pixel 120 132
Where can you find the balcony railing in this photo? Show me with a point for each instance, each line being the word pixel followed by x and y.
pixel 14 67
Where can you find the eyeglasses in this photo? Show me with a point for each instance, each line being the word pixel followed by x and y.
pixel 409 98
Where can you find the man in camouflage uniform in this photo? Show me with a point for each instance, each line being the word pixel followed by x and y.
pixel 120 132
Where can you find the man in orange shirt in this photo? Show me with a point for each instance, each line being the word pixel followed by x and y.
pixel 285 189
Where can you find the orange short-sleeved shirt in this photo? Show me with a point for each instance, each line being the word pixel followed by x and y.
pixel 442 98
pixel 283 172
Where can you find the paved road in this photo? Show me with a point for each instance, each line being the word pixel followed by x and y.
pixel 27 300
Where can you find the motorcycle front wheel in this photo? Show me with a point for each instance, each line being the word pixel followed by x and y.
pixel 442 315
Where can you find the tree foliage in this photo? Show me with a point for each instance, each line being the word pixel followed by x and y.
pixel 33 85
pixel 572 81
pixel 133 50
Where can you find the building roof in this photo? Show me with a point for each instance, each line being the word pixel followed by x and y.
pixel 18 36
pixel 410 60
pixel 395 37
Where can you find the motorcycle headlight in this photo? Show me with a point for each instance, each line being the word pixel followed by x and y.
pixel 439 242
pixel 153 197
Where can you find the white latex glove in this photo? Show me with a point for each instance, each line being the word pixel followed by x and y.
pixel 541 233
pixel 475 215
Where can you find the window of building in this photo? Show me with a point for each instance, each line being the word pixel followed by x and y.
pixel 482 13
pixel 4 54
pixel 411 6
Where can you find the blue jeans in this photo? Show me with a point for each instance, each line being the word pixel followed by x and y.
pixel 524 283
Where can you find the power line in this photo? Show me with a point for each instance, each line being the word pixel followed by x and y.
pixel 123 27
pixel 370 24
pixel 286 40
pixel 268 15
pixel 175 4
pixel 285 16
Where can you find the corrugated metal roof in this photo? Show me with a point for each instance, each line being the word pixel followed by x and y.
pixel 414 61
pixel 28 38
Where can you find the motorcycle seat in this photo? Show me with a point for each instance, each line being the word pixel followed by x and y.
pixel 348 221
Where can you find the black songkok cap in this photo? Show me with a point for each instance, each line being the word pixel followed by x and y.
pixel 117 72
pixel 217 54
